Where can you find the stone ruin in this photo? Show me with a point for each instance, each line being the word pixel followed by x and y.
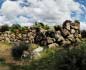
pixel 66 36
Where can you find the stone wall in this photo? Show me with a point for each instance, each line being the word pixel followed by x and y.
pixel 66 36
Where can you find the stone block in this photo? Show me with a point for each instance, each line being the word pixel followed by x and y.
pixel 53 45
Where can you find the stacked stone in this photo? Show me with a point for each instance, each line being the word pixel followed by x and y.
pixel 71 33
pixel 66 36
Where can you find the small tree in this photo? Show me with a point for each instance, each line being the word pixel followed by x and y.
pixel 4 28
pixel 41 25
pixel 15 27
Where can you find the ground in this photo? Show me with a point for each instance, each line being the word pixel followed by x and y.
pixel 5 53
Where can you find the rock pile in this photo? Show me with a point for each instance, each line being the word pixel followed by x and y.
pixel 66 36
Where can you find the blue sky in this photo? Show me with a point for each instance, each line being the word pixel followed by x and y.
pixel 83 15
pixel 26 12
pixel 1 2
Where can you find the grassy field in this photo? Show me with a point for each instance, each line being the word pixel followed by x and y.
pixel 50 59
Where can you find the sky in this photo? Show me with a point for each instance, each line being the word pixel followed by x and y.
pixel 51 12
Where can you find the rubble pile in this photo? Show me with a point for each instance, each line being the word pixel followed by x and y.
pixel 66 36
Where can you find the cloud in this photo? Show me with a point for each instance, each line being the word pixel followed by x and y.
pixel 55 9
pixel 10 9
pixel 83 26
pixel 49 11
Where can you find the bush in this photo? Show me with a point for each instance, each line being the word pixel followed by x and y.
pixel 17 50
pixel 4 28
pixel 41 25
pixel 15 27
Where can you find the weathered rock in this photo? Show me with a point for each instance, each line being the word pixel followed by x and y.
pixel 31 39
pixel 58 32
pixel 44 42
pixel 25 54
pixel 78 40
pixel 5 34
pixel 60 39
pixel 76 35
pixel 75 26
pixel 67 24
pixel 72 31
pixel 53 45
pixel 65 32
pixel 20 36
pixel 36 52
pixel 66 43
pixel 58 36
pixel 71 38
pixel 24 35
pixel 79 36
pixel 50 40
pixel 8 40
pixel 39 37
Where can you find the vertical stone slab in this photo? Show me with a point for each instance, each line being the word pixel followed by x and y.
pixel 66 24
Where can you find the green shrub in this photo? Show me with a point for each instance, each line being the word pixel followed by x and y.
pixel 4 28
pixel 17 50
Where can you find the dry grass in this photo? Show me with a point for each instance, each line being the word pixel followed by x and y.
pixel 4 67
pixel 5 51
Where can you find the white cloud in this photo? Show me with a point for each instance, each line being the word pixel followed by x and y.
pixel 48 11
pixel 83 26
pixel 59 10
pixel 11 8
pixel 3 21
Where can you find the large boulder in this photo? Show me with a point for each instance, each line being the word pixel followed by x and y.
pixel 37 52
pixel 67 24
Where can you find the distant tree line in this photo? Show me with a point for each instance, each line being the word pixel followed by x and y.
pixel 18 27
